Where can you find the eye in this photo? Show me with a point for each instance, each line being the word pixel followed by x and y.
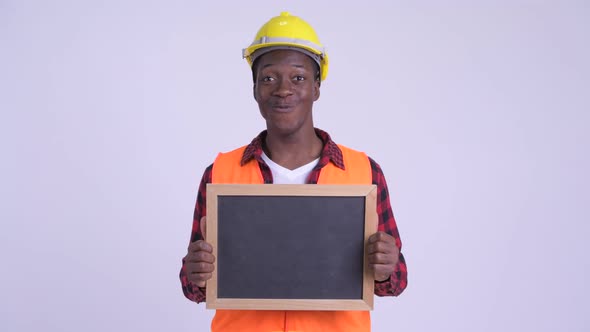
pixel 267 79
pixel 299 78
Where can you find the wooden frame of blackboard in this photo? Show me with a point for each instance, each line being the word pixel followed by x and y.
pixel 215 192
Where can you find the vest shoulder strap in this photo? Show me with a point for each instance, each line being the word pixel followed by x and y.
pixel 227 168
pixel 357 169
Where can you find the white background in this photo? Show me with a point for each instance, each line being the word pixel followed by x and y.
pixel 478 113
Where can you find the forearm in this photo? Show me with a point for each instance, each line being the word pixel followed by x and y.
pixel 398 280
pixel 191 291
pixel 396 283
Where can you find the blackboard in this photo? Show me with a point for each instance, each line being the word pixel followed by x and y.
pixel 290 247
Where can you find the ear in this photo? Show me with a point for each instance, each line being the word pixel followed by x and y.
pixel 316 90
pixel 254 91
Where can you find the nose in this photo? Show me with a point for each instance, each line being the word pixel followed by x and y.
pixel 284 88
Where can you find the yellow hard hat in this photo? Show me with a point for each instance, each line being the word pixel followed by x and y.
pixel 287 31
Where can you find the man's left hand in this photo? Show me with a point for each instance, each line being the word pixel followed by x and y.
pixel 383 255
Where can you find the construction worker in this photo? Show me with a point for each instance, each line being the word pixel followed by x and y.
pixel 288 65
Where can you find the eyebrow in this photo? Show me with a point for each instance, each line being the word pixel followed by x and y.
pixel 295 65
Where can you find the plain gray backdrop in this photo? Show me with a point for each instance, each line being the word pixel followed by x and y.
pixel 477 111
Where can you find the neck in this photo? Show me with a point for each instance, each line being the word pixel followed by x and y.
pixel 294 150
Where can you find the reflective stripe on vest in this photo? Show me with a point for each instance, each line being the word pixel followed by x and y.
pixel 227 169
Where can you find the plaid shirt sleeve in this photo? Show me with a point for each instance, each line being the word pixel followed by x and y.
pixel 192 292
pixel 398 281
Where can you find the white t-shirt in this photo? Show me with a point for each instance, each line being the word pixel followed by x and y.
pixel 282 175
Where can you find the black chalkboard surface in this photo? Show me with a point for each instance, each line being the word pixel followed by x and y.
pixel 290 247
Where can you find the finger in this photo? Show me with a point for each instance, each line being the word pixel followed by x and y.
pixel 381 236
pixel 199 256
pixel 203 224
pixel 382 272
pixel 200 278
pixel 199 267
pixel 200 246
pixel 381 258
pixel 384 247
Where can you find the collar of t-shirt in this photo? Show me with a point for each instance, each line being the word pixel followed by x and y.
pixel 282 175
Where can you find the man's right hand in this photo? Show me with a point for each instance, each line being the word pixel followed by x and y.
pixel 198 262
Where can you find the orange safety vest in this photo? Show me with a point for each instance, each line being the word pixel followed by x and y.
pixel 227 169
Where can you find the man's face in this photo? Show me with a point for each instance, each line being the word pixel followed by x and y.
pixel 285 89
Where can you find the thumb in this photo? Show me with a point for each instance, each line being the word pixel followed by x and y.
pixel 203 224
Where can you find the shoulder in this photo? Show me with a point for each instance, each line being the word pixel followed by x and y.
pixel 358 153
pixel 345 148
pixel 206 178
pixel 236 150
pixel 375 165
pixel 347 152
pixel 376 171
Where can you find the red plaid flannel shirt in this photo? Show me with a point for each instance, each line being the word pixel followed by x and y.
pixel 330 153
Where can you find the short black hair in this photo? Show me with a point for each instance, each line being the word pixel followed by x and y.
pixel 316 68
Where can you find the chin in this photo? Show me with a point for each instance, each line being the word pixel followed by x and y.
pixel 284 129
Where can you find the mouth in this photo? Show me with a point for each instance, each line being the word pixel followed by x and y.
pixel 282 108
